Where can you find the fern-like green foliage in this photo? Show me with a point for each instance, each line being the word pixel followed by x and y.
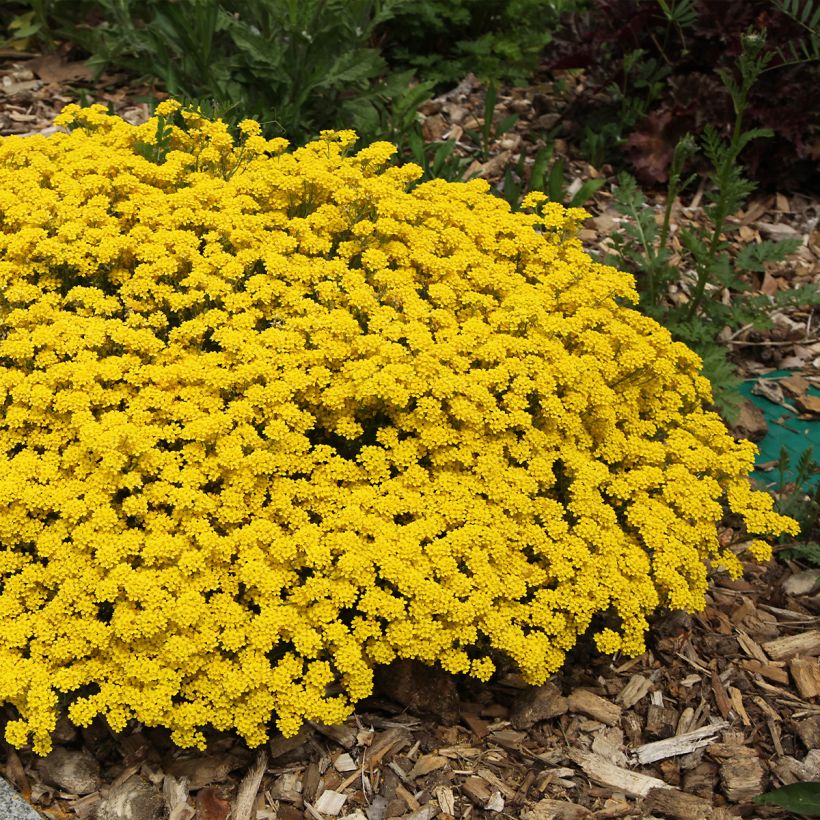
pixel 806 13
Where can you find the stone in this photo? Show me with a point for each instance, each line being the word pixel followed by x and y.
pixel 73 771
pixel 422 689
pixel 537 704
pixel 13 807
pixel 134 799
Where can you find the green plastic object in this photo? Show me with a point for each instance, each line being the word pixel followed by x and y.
pixel 787 430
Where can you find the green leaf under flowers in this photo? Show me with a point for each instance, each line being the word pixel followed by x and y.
pixel 801 798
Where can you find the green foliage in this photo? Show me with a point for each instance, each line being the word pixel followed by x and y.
pixel 801 798
pixel 643 248
pixel 489 129
pixel 298 65
pixel 494 39
pixel 793 500
pixel 549 179
pixel 806 13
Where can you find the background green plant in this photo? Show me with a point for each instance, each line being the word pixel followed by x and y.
pixel 298 65
pixel 643 248
pixel 494 39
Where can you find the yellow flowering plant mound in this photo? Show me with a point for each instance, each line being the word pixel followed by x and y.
pixel 272 418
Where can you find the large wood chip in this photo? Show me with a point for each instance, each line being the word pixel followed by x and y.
pixel 426 764
pixel 677 804
pixel 584 702
pixel 678 745
pixel 175 794
pixel 330 802
pixel 634 690
pixel 741 772
pixel 390 740
pixel 804 643
pixel 477 790
pixel 446 799
pixel 806 674
pixel 556 810
pixel 808 730
pixel 600 770
pixel 249 787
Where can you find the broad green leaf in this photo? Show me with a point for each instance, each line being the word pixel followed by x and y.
pixel 801 798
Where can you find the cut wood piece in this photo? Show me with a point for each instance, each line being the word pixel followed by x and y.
pixel 588 703
pixel 330 802
pixel 678 745
pixel 477 791
pixel 741 772
pixel 243 807
pixel 809 731
pixel 804 643
pixel 736 698
pixel 446 799
pixel 722 701
pixel 600 770
pixel 677 804
pixel 661 721
pixel 806 674
pixel 634 690
pixel 768 670
pixel 555 810
pixel 426 764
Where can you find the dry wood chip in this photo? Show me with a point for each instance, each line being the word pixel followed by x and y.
pixel 495 803
pixel 678 745
pixel 555 810
pixel 677 804
pixel 685 721
pixel 385 742
pixel 768 670
pixel 804 643
pixel 427 812
pixel 661 720
pixel 477 790
pixel 588 703
pixel 736 699
pixel 721 698
pixel 497 782
pixel 600 770
pixel 175 794
pixel 478 726
pixel 802 583
pixel 330 802
pixel 806 674
pixel 445 799
pixel 537 704
pixel 409 800
pixel 426 764
pixel 344 763
pixel 211 805
pixel 751 647
pixel 342 734
pixel 634 690
pixel 508 738
pixel 248 789
pixel 741 773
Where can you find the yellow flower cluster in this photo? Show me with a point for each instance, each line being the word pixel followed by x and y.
pixel 272 418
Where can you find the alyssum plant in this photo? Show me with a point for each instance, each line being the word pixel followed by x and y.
pixel 270 419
